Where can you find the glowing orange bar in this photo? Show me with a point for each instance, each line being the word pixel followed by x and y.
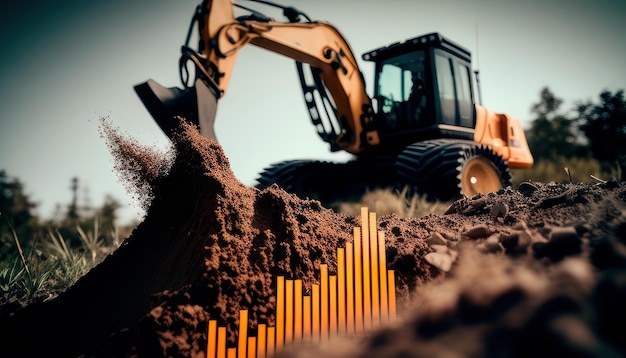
pixel 332 282
pixel 289 312
pixel 306 321
pixel 349 288
pixel 391 282
pixel 280 312
pixel 324 300
pixel 242 339
pixel 315 305
pixel 271 341
pixel 367 292
pixel 251 347
pixel 221 342
pixel 261 340
pixel 382 265
pixel 211 350
pixel 341 290
pixel 231 352
pixel 358 282
pixel 374 271
pixel 297 329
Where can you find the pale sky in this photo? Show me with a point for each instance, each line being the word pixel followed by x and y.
pixel 65 64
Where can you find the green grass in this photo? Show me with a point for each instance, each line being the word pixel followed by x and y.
pixel 53 265
pixel 11 275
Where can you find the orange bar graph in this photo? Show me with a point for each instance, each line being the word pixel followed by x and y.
pixel 367 291
pixel 350 288
pixel 382 267
pixel 315 303
pixel 289 311
pixel 221 342
pixel 306 319
pixel 212 339
pixel 297 309
pixel 341 290
pixel 359 297
pixel 251 347
pixel 358 282
pixel 332 292
pixel 242 339
pixel 391 282
pixel 324 301
pixel 374 271
pixel 261 340
pixel 280 312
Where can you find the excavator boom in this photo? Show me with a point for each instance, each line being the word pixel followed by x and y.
pixel 317 44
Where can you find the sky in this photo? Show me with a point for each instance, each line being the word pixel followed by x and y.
pixel 65 64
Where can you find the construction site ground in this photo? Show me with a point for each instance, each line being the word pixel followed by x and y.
pixel 538 270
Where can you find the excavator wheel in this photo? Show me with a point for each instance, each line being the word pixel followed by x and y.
pixel 444 169
pixel 286 175
pixel 308 179
pixel 327 182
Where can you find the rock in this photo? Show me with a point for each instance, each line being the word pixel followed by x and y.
pixel 436 239
pixel 499 210
pixel 527 189
pixel 478 231
pixel 440 260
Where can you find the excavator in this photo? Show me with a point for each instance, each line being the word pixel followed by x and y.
pixel 421 131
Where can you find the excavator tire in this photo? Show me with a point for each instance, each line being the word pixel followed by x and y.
pixel 308 179
pixel 444 169
pixel 327 182
pixel 287 175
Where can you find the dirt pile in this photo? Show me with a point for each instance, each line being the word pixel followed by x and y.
pixel 545 264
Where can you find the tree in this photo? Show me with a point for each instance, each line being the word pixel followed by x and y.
pixel 552 134
pixel 15 213
pixel 604 125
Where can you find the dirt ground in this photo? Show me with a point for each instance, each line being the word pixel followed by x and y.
pixel 537 271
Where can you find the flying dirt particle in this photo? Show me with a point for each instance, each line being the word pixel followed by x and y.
pixel 138 166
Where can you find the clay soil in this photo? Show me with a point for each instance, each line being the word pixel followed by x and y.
pixel 535 271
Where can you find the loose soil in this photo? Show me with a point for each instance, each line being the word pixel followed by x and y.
pixel 536 271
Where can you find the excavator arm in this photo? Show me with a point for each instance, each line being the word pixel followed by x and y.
pixel 317 44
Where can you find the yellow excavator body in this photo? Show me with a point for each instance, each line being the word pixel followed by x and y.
pixel 421 128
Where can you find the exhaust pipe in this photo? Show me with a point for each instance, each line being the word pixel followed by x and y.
pixel 196 105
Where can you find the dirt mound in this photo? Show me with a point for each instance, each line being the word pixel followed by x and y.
pixel 541 265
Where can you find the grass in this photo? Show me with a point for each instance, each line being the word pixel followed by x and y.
pixel 565 170
pixel 11 275
pixel 387 201
pixel 52 264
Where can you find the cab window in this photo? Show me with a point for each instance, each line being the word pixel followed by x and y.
pixel 454 90
pixel 401 89
pixel 464 92
pixel 445 88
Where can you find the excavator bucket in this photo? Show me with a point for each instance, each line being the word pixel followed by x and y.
pixel 168 106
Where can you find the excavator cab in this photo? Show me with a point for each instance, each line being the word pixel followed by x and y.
pixel 422 90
